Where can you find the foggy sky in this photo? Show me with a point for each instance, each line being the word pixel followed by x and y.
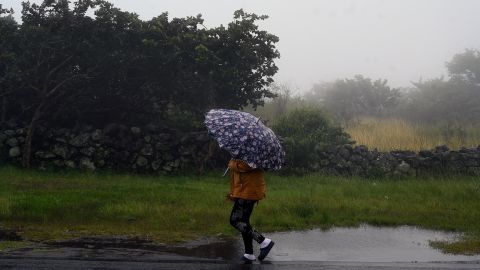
pixel 397 40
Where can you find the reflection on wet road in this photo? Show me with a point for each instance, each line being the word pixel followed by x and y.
pixel 362 244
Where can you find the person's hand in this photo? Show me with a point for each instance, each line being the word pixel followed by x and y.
pixel 228 197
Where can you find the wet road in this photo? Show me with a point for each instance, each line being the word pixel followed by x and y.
pixel 360 248
pixel 69 264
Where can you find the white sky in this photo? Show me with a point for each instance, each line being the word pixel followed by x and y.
pixel 320 40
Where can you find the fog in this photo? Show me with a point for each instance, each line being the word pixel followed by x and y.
pixel 398 40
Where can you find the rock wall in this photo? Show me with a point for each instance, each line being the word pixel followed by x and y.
pixel 116 147
pixel 359 160
pixel 153 149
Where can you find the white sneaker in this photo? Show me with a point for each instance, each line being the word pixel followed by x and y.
pixel 248 258
pixel 265 242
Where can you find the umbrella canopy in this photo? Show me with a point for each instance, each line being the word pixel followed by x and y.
pixel 245 137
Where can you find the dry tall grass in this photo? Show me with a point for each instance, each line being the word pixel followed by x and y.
pixel 398 134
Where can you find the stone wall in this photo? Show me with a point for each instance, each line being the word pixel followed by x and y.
pixel 359 160
pixel 153 149
pixel 116 147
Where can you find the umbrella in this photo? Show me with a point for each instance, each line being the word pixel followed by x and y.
pixel 246 138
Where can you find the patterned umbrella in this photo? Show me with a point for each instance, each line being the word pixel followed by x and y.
pixel 246 138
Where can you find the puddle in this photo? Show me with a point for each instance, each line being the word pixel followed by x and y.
pixel 362 244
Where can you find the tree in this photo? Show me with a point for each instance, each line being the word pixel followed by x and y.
pixel 349 99
pixel 8 68
pixel 444 101
pixel 465 66
pixel 455 100
pixel 228 67
pixel 241 63
pixel 54 59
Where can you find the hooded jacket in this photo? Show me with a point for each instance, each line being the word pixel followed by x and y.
pixel 246 183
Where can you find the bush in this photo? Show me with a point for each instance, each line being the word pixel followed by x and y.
pixel 62 67
pixel 307 131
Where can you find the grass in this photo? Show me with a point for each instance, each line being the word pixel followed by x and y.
pixel 46 206
pixel 12 245
pixel 468 245
pixel 395 134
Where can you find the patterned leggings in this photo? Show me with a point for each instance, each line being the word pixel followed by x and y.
pixel 240 220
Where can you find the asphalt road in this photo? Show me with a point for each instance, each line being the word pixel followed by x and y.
pixel 339 249
pixel 178 262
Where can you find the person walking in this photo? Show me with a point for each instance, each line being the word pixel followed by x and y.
pixel 247 187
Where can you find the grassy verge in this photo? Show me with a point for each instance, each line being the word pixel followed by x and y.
pixel 468 245
pixel 11 245
pixel 167 209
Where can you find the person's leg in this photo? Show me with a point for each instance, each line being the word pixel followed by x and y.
pixel 240 220
pixel 247 242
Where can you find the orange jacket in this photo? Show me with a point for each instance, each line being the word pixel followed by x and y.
pixel 246 183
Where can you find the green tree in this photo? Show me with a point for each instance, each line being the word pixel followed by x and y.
pixel 243 64
pixel 8 67
pixel 41 62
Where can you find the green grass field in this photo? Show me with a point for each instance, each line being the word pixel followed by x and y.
pixel 46 206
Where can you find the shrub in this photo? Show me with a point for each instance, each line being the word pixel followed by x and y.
pixel 305 131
